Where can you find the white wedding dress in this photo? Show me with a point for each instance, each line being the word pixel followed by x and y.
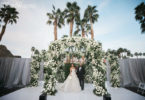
pixel 71 84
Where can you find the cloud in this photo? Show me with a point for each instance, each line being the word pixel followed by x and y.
pixel 103 4
pixel 32 30
pixel 17 4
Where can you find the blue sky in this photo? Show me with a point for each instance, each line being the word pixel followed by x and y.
pixel 116 26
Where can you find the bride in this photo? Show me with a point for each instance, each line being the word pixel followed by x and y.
pixel 71 84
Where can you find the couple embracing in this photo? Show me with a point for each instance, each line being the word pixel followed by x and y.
pixel 75 80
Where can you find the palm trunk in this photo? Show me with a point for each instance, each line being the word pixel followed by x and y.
pixel 83 33
pixel 71 27
pixel 55 30
pixel 92 32
pixel 3 31
pixel 69 59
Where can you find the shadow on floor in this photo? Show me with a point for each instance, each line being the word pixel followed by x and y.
pixel 4 91
pixel 134 89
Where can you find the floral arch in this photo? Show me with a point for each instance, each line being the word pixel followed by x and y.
pixel 54 57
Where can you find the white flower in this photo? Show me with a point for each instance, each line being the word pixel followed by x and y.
pixel 59 47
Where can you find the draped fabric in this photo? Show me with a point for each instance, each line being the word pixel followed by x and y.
pixel 41 75
pixel 5 67
pixel 132 71
pixel 107 70
pixel 14 72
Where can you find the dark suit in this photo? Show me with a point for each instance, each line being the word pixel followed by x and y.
pixel 81 74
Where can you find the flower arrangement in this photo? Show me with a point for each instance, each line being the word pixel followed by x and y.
pixel 53 60
pixel 115 71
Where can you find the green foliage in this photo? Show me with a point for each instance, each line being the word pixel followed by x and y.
pixel 67 69
pixel 8 14
pixel 55 69
pixel 140 15
pixel 49 85
pixel 83 26
pixel 72 12
pixel 37 58
pixel 91 14
pixel 56 16
pixel 60 75
pixel 115 71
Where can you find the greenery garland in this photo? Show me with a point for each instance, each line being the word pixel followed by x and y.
pixel 37 58
pixel 53 60
pixel 115 71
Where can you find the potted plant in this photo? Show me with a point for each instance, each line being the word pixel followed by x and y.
pixel 43 96
pixel 107 96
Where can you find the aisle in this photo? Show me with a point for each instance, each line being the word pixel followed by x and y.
pixel 86 94
pixel 31 93
pixel 34 92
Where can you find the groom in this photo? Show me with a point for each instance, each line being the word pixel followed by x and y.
pixel 80 74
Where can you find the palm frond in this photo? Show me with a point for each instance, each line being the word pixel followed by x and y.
pixel 140 15
pixel 49 22
pixel 68 20
pixel 58 11
pixel 94 7
pixel 51 16
pixel 8 14
pixel 76 32
pixel 72 12
pixel 68 5
pixel 14 20
pixel 59 25
pixel 53 7
pixel 64 36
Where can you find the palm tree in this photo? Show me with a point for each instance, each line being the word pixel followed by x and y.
pixel 83 26
pixel 57 19
pixel 8 15
pixel 136 54
pixel 119 51
pixel 129 53
pixel 140 15
pixel 143 54
pixel 32 50
pixel 140 54
pixel 72 14
pixel 114 52
pixel 91 16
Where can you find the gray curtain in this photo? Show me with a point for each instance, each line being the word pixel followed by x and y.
pixel 15 72
pixel 41 75
pixel 108 70
pixel 132 72
pixel 5 67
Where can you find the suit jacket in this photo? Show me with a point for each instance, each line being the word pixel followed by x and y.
pixel 81 72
